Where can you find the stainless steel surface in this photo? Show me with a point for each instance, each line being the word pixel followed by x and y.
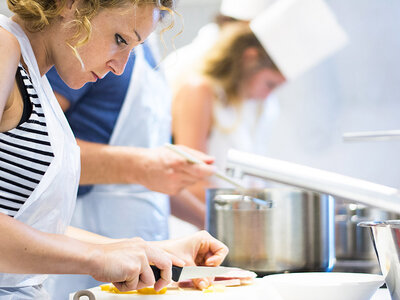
pixel 367 136
pixel 386 237
pixel 296 234
pixel 354 248
pixel 202 272
pixel 353 242
pixel 361 191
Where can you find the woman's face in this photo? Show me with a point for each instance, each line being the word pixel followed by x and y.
pixel 259 85
pixel 115 32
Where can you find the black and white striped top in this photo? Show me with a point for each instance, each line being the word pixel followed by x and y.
pixel 25 151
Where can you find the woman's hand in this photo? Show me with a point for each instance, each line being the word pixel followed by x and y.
pixel 200 249
pixel 127 264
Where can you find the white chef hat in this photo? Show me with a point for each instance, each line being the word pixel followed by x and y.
pixel 244 10
pixel 298 34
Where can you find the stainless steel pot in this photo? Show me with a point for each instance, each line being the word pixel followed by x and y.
pixel 353 246
pixel 386 237
pixel 296 234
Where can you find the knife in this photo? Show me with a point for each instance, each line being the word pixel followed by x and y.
pixel 182 273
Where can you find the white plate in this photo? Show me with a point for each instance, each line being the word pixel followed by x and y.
pixel 327 286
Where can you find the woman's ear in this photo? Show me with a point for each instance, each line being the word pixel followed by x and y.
pixel 69 9
pixel 250 54
pixel 250 60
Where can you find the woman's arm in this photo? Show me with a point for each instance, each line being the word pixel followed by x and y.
pixel 26 250
pixel 89 237
pixel 10 54
pixel 189 208
pixel 192 116
pixel 126 263
pixel 158 169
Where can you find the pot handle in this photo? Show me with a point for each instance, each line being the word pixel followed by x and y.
pixel 227 199
pixel 261 202
pixel 371 224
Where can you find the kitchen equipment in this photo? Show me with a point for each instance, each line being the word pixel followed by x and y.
pixel 295 235
pixel 191 272
pixel 195 160
pixel 361 191
pixel 386 237
pixel 354 242
pixel 327 286
pixel 366 136
pixel 353 245
pixel 84 293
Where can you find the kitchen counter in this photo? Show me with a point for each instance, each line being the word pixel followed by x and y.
pixel 257 291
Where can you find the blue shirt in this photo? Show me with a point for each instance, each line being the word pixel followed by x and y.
pixel 94 109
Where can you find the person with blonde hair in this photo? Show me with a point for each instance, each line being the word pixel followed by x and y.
pixel 232 80
pixel 40 165
pixel 218 106
pixel 180 62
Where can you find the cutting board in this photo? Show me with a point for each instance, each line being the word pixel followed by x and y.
pixel 255 291
pixel 260 290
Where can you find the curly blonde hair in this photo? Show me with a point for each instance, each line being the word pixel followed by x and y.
pixel 37 14
pixel 224 62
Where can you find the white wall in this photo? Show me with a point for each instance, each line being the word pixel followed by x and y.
pixel 357 89
pixel 195 13
pixel 4 9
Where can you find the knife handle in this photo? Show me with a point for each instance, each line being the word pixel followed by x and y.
pixel 176 272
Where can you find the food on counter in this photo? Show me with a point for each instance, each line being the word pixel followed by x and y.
pixel 110 288
pixel 235 278
pixel 215 288
pixel 151 291
pixel 228 281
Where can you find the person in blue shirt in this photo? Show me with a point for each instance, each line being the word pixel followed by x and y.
pixel 121 124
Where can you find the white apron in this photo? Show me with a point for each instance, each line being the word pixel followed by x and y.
pixel 50 206
pixel 123 210
pixel 127 210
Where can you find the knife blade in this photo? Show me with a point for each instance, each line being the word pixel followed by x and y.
pixel 191 272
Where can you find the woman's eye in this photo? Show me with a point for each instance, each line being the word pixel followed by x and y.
pixel 119 40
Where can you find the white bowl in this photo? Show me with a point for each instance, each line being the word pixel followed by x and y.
pixel 327 286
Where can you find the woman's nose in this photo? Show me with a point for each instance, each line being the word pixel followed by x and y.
pixel 118 62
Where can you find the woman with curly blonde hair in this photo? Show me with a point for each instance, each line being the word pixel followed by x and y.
pixel 39 170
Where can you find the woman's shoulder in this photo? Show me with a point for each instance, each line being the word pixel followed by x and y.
pixel 196 95
pixel 9 41
pixel 9 46
pixel 199 87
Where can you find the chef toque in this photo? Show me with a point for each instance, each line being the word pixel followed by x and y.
pixel 244 10
pixel 298 34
